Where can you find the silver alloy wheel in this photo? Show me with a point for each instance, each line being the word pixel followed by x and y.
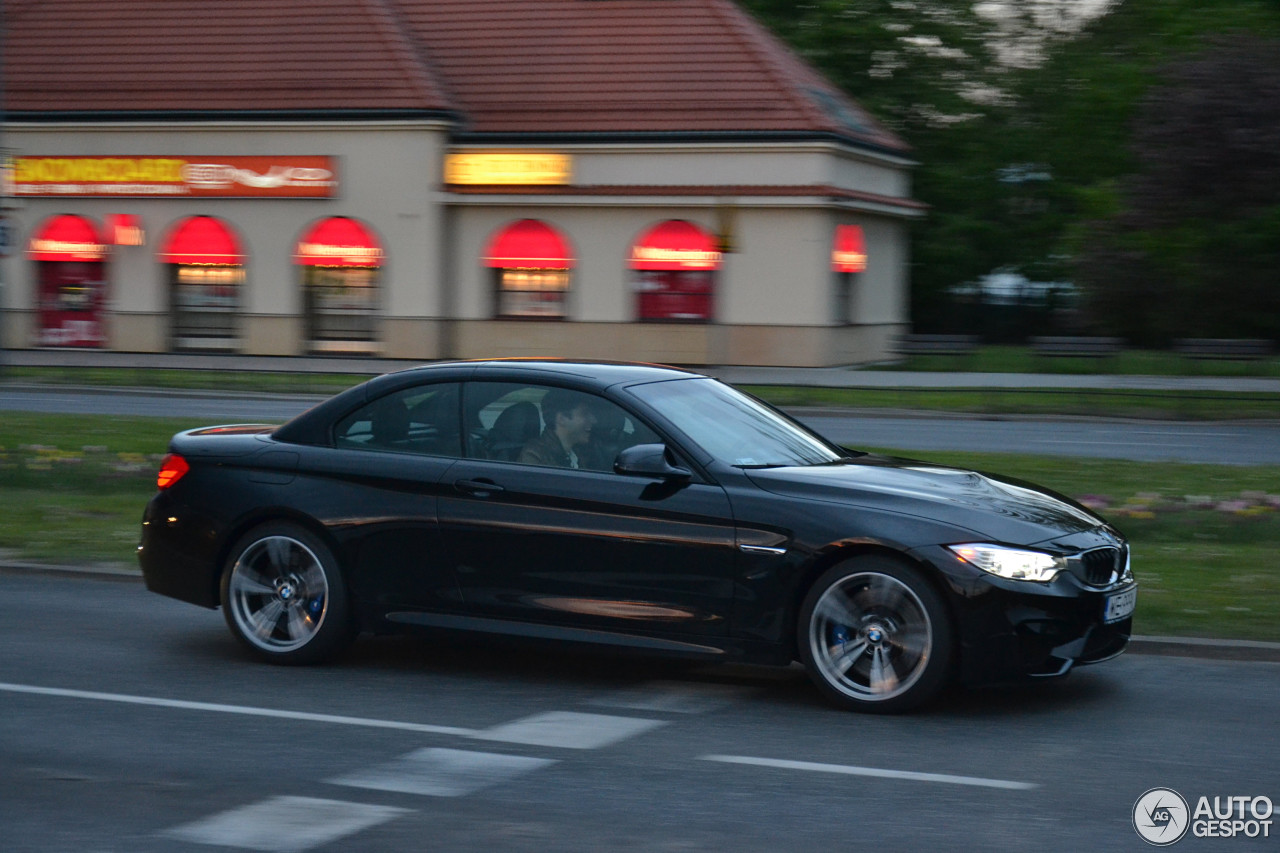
pixel 278 594
pixel 870 636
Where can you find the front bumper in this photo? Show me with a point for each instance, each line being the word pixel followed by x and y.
pixel 1015 629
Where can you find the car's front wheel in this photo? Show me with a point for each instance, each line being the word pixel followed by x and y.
pixel 283 596
pixel 875 635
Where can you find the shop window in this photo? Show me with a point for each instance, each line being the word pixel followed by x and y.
pixel 206 278
pixel 531 262
pixel 341 261
pixel 70 257
pixel 675 264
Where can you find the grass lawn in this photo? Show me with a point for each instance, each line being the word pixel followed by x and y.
pixel 1204 536
pixel 1020 359
pixel 1156 405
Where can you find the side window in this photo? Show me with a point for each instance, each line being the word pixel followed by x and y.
pixel 423 419
pixel 545 425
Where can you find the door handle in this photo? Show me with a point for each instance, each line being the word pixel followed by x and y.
pixel 479 488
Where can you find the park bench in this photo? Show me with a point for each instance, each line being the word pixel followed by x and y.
pixel 1070 346
pixel 935 344
pixel 1227 349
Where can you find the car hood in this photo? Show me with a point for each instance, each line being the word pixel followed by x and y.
pixel 999 508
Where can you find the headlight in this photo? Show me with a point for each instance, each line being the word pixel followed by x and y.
pixel 1011 563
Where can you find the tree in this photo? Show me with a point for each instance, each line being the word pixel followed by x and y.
pixel 1022 117
pixel 1194 249
pixel 912 63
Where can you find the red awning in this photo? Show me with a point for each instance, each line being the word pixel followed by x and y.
pixel 529 244
pixel 849 253
pixel 202 240
pixel 67 238
pixel 675 245
pixel 338 242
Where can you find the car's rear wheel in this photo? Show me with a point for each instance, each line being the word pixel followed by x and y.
pixel 875 635
pixel 283 595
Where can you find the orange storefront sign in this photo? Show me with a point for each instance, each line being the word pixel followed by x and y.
pixel 179 177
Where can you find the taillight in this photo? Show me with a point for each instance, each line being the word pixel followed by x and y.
pixel 171 470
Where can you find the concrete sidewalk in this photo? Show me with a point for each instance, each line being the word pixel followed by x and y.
pixel 826 377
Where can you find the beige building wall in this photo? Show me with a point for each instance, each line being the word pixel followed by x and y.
pixel 768 310
pixel 880 295
pixel 778 274
pixel 600 285
pixel 388 177
pixel 775 299
pixel 738 164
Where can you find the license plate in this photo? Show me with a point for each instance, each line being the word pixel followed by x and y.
pixel 1119 606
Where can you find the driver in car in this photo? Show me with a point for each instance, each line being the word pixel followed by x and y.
pixel 569 419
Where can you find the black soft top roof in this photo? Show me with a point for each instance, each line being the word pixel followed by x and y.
pixel 312 426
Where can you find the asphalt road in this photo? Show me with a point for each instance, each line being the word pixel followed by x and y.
pixel 1220 443
pixel 129 722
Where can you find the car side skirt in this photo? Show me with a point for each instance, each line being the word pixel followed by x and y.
pixel 534 630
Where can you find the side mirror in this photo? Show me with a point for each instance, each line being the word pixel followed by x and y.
pixel 649 460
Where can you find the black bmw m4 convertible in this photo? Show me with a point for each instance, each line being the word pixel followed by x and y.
pixel 636 506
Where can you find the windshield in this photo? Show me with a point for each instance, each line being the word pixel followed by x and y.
pixel 734 428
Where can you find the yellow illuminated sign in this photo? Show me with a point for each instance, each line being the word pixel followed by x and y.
pixel 98 170
pixel 849 261
pixel 689 259
pixel 508 168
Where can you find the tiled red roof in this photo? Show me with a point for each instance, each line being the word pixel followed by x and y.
pixel 509 67
pixel 200 56
pixel 626 66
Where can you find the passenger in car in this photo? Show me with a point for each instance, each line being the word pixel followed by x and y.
pixel 569 419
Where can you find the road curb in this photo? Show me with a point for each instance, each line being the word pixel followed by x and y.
pixel 1203 647
pixel 1195 647
pixel 94 572
pixel 186 393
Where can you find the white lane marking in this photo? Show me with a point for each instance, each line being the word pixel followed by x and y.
pixel 850 770
pixel 558 728
pixel 676 697
pixel 569 730
pixel 442 772
pixel 285 824
pixel 236 709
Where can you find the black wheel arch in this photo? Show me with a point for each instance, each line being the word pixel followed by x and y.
pixel 271 515
pixel 846 551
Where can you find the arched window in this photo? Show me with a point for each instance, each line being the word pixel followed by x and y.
pixel 70 256
pixel 206 275
pixel 531 262
pixel 675 264
pixel 341 261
